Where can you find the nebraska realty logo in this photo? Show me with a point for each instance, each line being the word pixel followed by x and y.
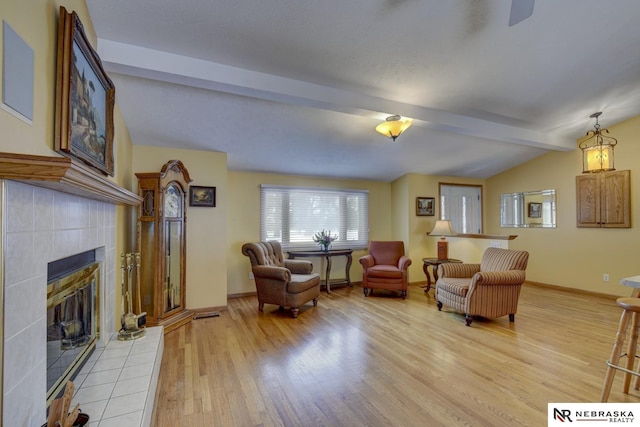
pixel 594 413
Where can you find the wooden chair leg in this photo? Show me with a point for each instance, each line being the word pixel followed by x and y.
pixel 631 351
pixel 614 359
pixel 468 319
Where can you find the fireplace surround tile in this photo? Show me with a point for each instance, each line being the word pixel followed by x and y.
pixel 22 297
pixel 95 393
pixel 20 212
pixel 41 231
pixel 133 388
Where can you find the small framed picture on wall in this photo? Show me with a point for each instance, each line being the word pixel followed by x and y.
pixel 202 196
pixel 535 210
pixel 425 206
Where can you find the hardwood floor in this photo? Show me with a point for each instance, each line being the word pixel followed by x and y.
pixel 383 361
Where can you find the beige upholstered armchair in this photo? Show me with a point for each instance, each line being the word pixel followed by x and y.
pixel 385 268
pixel 280 281
pixel 489 289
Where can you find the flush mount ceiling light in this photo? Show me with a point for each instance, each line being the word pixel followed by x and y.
pixel 393 126
pixel 597 150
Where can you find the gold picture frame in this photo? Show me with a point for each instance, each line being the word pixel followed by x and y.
pixel 85 97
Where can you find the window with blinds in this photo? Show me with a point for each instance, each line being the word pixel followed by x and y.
pixel 462 205
pixel 293 215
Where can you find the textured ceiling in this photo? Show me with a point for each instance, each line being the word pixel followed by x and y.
pixel 297 87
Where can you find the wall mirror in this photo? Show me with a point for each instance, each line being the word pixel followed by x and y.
pixel 528 209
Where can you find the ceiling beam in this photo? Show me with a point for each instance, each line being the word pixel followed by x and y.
pixel 168 67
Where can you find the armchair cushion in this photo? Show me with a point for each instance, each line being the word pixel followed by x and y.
pixel 384 272
pixel 456 286
pixel 302 282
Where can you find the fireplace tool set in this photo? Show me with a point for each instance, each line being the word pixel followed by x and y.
pixel 132 324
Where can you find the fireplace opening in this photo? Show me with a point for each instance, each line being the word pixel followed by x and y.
pixel 72 318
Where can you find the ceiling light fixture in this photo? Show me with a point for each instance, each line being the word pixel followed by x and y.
pixel 393 126
pixel 597 151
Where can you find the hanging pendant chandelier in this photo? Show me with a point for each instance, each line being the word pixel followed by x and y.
pixel 597 150
pixel 393 126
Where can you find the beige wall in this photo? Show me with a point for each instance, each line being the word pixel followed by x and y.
pixel 206 227
pixel 37 24
pixel 414 228
pixel 244 221
pixel 566 255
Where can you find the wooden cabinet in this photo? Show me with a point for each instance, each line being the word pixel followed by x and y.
pixel 162 223
pixel 603 199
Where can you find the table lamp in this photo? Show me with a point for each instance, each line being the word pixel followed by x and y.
pixel 443 228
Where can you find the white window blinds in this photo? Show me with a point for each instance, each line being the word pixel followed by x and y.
pixel 292 215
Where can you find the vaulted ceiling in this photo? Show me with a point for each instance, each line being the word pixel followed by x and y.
pixel 297 87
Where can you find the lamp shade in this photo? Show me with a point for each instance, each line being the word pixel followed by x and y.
pixel 598 158
pixel 393 126
pixel 443 228
pixel 597 149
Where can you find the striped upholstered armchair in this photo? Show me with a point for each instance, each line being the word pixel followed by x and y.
pixel 489 289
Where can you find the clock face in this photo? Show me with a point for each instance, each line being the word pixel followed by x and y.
pixel 172 202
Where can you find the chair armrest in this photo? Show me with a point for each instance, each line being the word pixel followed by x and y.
pixel 404 262
pixel 509 277
pixel 367 261
pixel 299 266
pixel 458 270
pixel 272 272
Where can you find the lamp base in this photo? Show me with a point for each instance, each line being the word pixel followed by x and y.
pixel 443 250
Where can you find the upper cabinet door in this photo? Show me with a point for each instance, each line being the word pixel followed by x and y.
pixel 603 200
pixel 615 199
pixel 588 200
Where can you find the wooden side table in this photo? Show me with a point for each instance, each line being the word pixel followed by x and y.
pixel 434 263
pixel 327 255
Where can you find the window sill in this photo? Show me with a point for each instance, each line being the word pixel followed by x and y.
pixel 488 236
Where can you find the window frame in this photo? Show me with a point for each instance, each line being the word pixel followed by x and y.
pixel 481 204
pixel 361 218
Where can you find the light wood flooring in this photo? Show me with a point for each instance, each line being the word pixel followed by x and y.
pixel 384 361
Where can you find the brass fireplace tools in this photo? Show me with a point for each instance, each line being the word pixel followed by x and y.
pixel 132 324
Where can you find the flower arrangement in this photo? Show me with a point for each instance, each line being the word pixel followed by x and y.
pixel 324 239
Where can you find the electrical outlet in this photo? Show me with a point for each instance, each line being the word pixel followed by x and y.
pixel 605 277
pixel 495 244
pixel 251 276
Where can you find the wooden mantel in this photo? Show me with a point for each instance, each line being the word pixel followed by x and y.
pixel 65 175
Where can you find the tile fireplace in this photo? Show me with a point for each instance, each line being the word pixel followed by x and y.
pixel 42 226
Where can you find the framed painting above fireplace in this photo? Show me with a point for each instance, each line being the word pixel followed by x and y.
pixel 84 98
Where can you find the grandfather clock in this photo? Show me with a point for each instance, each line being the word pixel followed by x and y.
pixel 162 223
